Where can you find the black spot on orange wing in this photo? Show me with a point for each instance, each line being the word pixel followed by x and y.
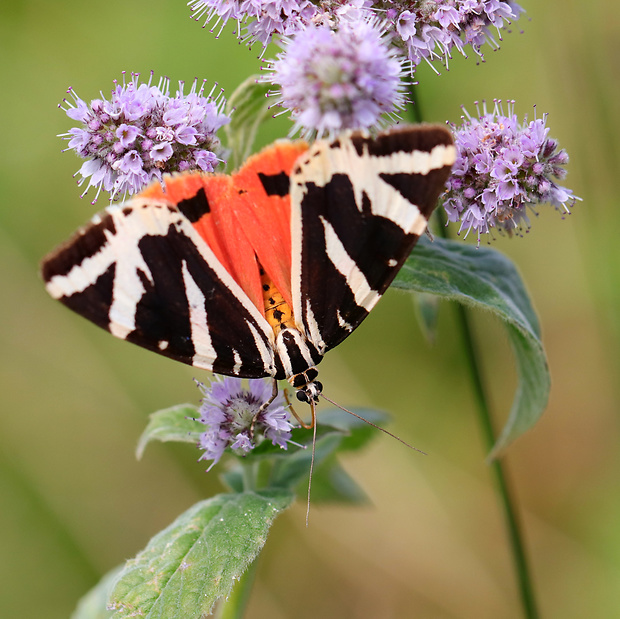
pixel 275 184
pixel 195 207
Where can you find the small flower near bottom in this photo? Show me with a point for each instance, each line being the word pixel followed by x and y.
pixel 228 409
pixel 504 167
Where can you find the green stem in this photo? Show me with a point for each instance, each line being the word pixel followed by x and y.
pixel 505 495
pixel 416 107
pixel 234 606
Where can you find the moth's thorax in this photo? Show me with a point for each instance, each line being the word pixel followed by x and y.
pixel 278 312
pixel 296 356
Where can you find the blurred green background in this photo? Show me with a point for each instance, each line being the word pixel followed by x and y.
pixel 75 502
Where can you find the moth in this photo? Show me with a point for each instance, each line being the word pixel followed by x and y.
pixel 259 273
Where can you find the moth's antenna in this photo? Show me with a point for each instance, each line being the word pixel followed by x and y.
pixel 370 423
pixel 311 459
pixel 307 426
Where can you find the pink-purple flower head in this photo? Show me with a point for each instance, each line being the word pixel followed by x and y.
pixel 142 132
pixel 259 20
pixel 228 409
pixel 336 79
pixel 425 29
pixel 430 29
pixel 504 168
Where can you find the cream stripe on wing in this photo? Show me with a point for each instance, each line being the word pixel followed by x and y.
pixel 364 295
pixel 201 338
pixel 266 353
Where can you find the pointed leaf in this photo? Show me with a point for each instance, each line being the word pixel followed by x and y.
pixel 248 107
pixel 288 472
pixel 196 560
pixel 301 436
pixel 358 431
pixel 336 430
pixel 332 484
pixel 486 279
pixel 171 424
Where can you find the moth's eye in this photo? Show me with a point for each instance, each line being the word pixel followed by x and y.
pixel 302 396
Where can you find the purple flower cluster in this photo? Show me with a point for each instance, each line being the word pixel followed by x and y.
pixel 142 132
pixel 228 410
pixel 430 29
pixel 426 29
pixel 344 65
pixel 502 168
pixel 262 19
pixel 336 79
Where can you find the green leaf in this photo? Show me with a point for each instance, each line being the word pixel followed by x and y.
pixel 332 484
pixel 484 278
pixel 301 436
pixel 248 107
pixel 336 431
pixel 196 560
pixel 288 472
pixel 354 432
pixel 358 432
pixel 94 604
pixel 171 424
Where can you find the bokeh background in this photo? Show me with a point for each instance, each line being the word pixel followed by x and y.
pixel 75 502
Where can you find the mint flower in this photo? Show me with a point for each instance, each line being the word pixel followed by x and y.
pixel 141 133
pixel 228 409
pixel 261 19
pixel 424 29
pixel 331 80
pixel 430 29
pixel 503 168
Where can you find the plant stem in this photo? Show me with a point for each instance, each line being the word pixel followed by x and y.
pixel 504 493
pixel 416 107
pixel 234 606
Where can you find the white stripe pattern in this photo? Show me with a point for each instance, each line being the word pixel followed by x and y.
pixel 201 338
pixel 364 295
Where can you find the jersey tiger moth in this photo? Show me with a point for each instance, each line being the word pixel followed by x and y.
pixel 258 273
